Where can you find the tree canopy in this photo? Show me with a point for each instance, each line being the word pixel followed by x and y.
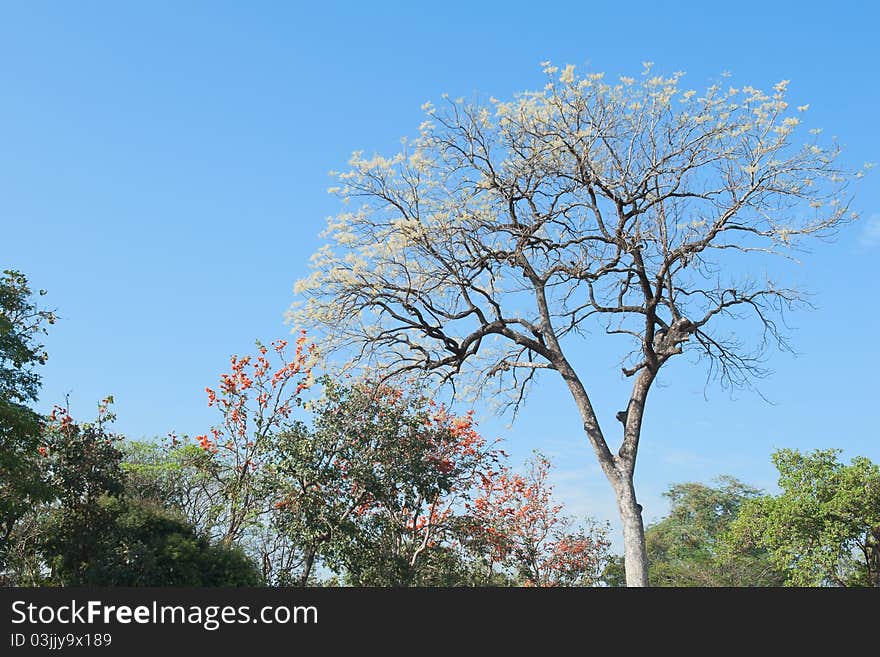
pixel 688 548
pixel 319 480
pixel 824 527
pixel 22 323
pixel 507 230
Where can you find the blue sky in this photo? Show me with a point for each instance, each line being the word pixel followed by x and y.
pixel 163 169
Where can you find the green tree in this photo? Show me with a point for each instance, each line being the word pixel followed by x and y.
pixel 21 324
pixel 824 527
pixel 82 467
pixel 144 544
pixel 172 473
pixel 367 487
pixel 687 547
pixel 25 565
pixel 111 525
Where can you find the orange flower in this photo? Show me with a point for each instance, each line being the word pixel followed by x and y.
pixel 206 444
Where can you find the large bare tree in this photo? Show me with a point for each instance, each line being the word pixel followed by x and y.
pixel 487 248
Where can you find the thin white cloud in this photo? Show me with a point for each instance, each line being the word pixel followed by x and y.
pixel 683 457
pixel 870 236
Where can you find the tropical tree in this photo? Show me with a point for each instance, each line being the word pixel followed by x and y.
pixel 102 528
pixel 376 487
pixel 235 459
pixel 363 480
pixel 508 231
pixel 172 473
pixel 519 528
pixel 824 527
pixel 21 325
pixel 82 469
pixel 145 544
pixel 688 548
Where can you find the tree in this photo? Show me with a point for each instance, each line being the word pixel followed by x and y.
pixel 387 488
pixel 172 473
pixel 235 463
pixel 21 323
pixel 103 528
pixel 375 488
pixel 508 230
pixel 24 564
pixel 688 548
pixel 519 527
pixel 367 487
pixel 146 545
pixel 172 483
pixel 824 527
pixel 81 462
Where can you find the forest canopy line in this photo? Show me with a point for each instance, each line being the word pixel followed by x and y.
pixel 308 480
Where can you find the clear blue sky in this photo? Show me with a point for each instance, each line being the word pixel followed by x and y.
pixel 163 168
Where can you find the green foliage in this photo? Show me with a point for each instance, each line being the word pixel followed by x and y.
pixel 172 473
pixel 143 544
pixel 377 490
pixel 21 323
pixel 120 526
pixel 824 528
pixel 687 547
pixel 24 564
pixel 82 469
pixel 172 501
pixel 614 574
pixel 386 488
pixel 375 560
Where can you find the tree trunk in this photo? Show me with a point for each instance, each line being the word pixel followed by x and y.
pixel 874 559
pixel 635 556
pixel 307 567
pixel 618 469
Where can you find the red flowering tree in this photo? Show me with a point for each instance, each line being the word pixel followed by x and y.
pixel 255 399
pixel 518 528
pixel 376 487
